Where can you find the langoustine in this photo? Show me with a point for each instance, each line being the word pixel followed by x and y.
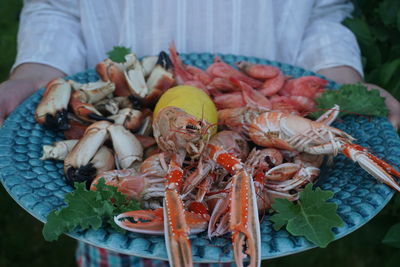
pixel 296 133
pixel 180 134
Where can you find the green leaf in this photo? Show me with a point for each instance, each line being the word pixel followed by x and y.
pixel 83 210
pixel 287 210
pixel 118 53
pixel 366 40
pixel 398 20
pixel 87 209
pixel 394 52
pixel 392 237
pixel 360 29
pixel 312 216
pixel 388 10
pixel 380 33
pixel 388 71
pixel 352 98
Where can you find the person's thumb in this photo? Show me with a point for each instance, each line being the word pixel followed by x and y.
pixel 395 120
pixel 2 115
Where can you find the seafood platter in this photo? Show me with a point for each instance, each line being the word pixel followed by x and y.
pixel 206 144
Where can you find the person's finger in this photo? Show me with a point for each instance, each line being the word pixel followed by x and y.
pixel 394 120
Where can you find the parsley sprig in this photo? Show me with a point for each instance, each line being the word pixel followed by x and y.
pixel 87 209
pixel 352 99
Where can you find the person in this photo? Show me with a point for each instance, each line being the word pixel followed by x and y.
pixel 60 37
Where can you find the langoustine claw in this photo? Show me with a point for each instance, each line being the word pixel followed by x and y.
pixel 152 221
pixel 244 221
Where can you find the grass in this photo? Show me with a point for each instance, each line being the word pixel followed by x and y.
pixel 9 12
pixel 22 244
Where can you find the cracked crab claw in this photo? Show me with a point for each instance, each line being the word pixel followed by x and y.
pixel 52 109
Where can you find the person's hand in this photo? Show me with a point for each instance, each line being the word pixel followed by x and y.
pixel 392 104
pixel 12 93
pixel 346 75
pixel 24 81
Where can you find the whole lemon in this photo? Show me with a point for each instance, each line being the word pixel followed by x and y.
pixel 192 100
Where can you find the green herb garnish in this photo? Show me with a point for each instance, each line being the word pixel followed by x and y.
pixel 354 99
pixel 87 209
pixel 311 216
pixel 118 54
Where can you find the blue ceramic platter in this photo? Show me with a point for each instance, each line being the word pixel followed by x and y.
pixel 38 186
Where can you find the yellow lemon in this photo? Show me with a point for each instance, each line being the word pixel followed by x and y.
pixel 192 100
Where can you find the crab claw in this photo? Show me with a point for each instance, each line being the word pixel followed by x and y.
pixel 244 223
pixel 85 158
pixel 378 168
pixel 114 72
pixel 85 111
pixel 152 221
pixel 52 109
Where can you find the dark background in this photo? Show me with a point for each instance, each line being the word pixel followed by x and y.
pixel 377 27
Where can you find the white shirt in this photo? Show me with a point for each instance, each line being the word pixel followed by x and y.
pixel 73 35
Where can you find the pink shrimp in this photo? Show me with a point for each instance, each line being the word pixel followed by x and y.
pixel 229 100
pixel 224 70
pixel 251 96
pixel 180 72
pixel 304 104
pixel 188 75
pixel 199 74
pixel 258 71
pixel 273 85
pixel 221 84
pixel 284 104
pixel 308 86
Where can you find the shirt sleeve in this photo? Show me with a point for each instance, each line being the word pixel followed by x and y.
pixel 50 33
pixel 326 42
